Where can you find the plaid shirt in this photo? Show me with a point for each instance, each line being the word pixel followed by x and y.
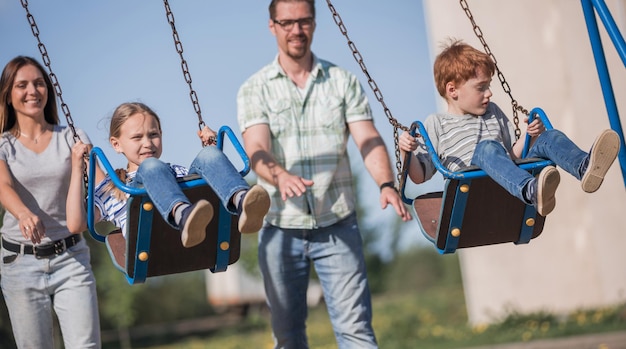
pixel 309 135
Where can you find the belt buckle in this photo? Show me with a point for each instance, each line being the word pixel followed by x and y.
pixel 59 247
pixel 56 248
pixel 36 250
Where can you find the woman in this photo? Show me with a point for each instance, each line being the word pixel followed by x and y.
pixel 44 266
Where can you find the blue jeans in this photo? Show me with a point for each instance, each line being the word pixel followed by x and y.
pixel 285 257
pixel 33 287
pixel 211 164
pixel 553 145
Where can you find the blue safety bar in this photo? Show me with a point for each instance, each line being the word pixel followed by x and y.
pixel 144 230
pixel 466 176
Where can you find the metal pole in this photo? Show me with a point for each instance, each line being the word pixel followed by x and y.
pixel 603 72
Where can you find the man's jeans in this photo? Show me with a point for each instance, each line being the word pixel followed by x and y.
pixel 159 180
pixel 285 257
pixel 553 145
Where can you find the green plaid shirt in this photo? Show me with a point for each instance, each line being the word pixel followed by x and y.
pixel 309 130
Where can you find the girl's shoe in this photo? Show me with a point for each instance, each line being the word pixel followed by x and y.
pixel 253 207
pixel 194 221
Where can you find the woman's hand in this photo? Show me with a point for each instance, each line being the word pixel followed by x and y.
pixel 32 228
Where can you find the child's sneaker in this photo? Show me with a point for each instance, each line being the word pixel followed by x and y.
pixel 544 190
pixel 194 221
pixel 601 156
pixel 253 207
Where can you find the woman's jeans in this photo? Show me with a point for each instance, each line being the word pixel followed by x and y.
pixel 159 180
pixel 33 287
pixel 553 145
pixel 285 257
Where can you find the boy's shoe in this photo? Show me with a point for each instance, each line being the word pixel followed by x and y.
pixel 253 207
pixel 601 156
pixel 194 221
pixel 546 184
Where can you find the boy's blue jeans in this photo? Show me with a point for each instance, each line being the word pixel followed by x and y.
pixel 159 180
pixel 553 145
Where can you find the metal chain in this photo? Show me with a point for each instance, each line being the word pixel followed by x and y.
pixel 479 34
pixel 373 86
pixel 55 82
pixel 179 48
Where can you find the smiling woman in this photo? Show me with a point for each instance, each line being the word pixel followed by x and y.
pixel 40 256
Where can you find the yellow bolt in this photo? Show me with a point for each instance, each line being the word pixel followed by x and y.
pixel 464 188
pixel 224 245
pixel 530 222
pixel 148 206
pixel 143 256
pixel 456 232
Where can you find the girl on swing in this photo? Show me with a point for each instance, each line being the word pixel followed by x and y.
pixel 135 131
pixel 474 131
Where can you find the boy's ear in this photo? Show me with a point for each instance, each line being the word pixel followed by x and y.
pixel 451 90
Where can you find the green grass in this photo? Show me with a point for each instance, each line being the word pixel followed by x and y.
pixel 433 318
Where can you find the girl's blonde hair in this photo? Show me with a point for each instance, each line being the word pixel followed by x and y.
pixel 121 114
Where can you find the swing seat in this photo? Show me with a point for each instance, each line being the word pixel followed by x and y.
pixel 476 212
pixel 473 210
pixel 152 247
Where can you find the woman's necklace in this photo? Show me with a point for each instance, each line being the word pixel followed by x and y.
pixel 36 139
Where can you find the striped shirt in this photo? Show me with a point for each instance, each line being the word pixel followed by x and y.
pixel 113 210
pixel 309 135
pixel 455 137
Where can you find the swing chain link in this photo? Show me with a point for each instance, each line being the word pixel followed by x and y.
pixel 55 82
pixel 373 86
pixel 186 74
pixel 505 86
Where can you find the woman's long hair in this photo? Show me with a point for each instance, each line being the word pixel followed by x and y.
pixel 8 119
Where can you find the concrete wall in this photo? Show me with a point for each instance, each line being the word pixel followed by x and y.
pixel 543 49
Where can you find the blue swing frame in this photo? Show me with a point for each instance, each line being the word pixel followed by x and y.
pixel 461 194
pixel 140 268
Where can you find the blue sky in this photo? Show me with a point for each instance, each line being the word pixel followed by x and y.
pixel 108 52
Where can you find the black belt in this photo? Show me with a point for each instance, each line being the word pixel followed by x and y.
pixel 43 251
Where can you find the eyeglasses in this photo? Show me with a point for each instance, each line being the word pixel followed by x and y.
pixel 287 24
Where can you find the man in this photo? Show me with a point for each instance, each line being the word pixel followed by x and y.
pixel 296 115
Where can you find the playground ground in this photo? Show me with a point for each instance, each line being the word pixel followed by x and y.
pixel 612 340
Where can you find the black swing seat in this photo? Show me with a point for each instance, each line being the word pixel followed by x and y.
pixel 161 251
pixel 473 210
pixel 152 247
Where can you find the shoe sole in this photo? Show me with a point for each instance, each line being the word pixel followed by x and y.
pixel 255 205
pixel 548 181
pixel 603 153
pixel 194 231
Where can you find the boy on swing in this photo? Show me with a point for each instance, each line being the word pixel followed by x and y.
pixel 475 132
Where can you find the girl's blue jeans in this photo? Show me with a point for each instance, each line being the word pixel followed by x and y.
pixel 211 164
pixel 553 145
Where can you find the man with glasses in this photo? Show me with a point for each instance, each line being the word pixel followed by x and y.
pixel 296 115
